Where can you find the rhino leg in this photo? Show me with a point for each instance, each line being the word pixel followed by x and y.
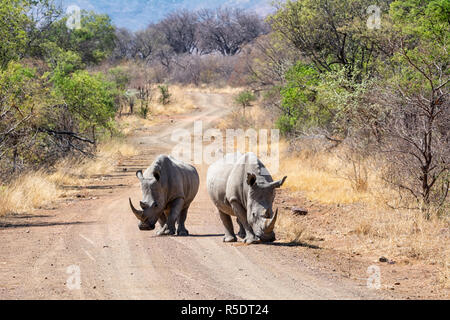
pixel 175 209
pixel 162 222
pixel 241 234
pixel 241 214
pixel 182 231
pixel 229 230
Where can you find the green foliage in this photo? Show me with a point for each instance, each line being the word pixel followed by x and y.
pixel 13 33
pixel 18 84
pixel 120 77
pixel 165 95
pixel 144 110
pixel 94 41
pixel 330 33
pixel 301 108
pixel 90 98
pixel 427 19
pixel 23 96
pixel 245 98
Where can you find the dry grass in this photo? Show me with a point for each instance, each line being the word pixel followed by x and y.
pixel 324 178
pixel 37 189
pixel 349 204
pixel 29 191
pixel 128 124
pixel 211 89
pixel 179 102
pixel 358 219
pixel 255 117
pixel 290 229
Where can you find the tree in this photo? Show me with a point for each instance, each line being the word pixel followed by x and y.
pixel 152 44
pixel 20 95
pixel 245 98
pixel 125 44
pixel 228 30
pixel 13 33
pixel 416 97
pixel 94 41
pixel 90 99
pixel 180 31
pixel 329 33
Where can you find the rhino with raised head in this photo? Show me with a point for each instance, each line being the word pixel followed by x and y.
pixel 241 186
pixel 168 188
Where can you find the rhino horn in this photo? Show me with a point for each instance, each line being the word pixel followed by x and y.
pixel 138 213
pixel 270 223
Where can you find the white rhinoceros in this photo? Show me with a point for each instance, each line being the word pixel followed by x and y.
pixel 168 187
pixel 241 186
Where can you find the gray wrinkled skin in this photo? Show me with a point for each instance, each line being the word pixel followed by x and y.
pixel 241 186
pixel 168 188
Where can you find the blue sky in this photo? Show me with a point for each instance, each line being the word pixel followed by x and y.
pixel 137 14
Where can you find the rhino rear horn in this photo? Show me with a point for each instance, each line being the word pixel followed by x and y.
pixel 138 213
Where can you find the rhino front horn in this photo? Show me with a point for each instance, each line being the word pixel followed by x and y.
pixel 271 222
pixel 138 213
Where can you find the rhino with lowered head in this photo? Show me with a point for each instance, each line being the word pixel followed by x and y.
pixel 241 186
pixel 168 188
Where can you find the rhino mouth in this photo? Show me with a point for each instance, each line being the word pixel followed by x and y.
pixel 267 237
pixel 145 226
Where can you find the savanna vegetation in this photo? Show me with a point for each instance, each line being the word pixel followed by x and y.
pixel 359 90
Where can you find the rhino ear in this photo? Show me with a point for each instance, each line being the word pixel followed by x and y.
pixel 157 175
pixel 139 175
pixel 251 179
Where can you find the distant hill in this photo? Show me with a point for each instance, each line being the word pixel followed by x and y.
pixel 137 14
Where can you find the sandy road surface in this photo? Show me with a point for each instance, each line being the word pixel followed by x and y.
pixel 117 261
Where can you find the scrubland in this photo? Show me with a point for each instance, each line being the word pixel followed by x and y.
pixel 351 208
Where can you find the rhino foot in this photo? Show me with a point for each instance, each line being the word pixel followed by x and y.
pixel 229 239
pixel 165 231
pixel 182 233
pixel 251 239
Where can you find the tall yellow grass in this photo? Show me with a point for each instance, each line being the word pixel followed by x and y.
pixel 328 179
pixel 29 191
pixel 35 189
pixel 364 221
pixel 180 102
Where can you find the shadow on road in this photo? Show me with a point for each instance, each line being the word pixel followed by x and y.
pixel 293 244
pixel 8 225
pixel 205 235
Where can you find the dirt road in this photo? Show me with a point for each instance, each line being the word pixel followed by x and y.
pixel 98 239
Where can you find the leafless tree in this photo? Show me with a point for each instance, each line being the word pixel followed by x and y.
pixel 417 133
pixel 227 30
pixel 125 44
pixel 179 29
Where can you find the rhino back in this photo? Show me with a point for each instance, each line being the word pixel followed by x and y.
pixel 178 179
pixel 237 187
pixel 216 180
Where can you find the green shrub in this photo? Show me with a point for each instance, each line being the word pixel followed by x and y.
pixel 245 98
pixel 165 95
